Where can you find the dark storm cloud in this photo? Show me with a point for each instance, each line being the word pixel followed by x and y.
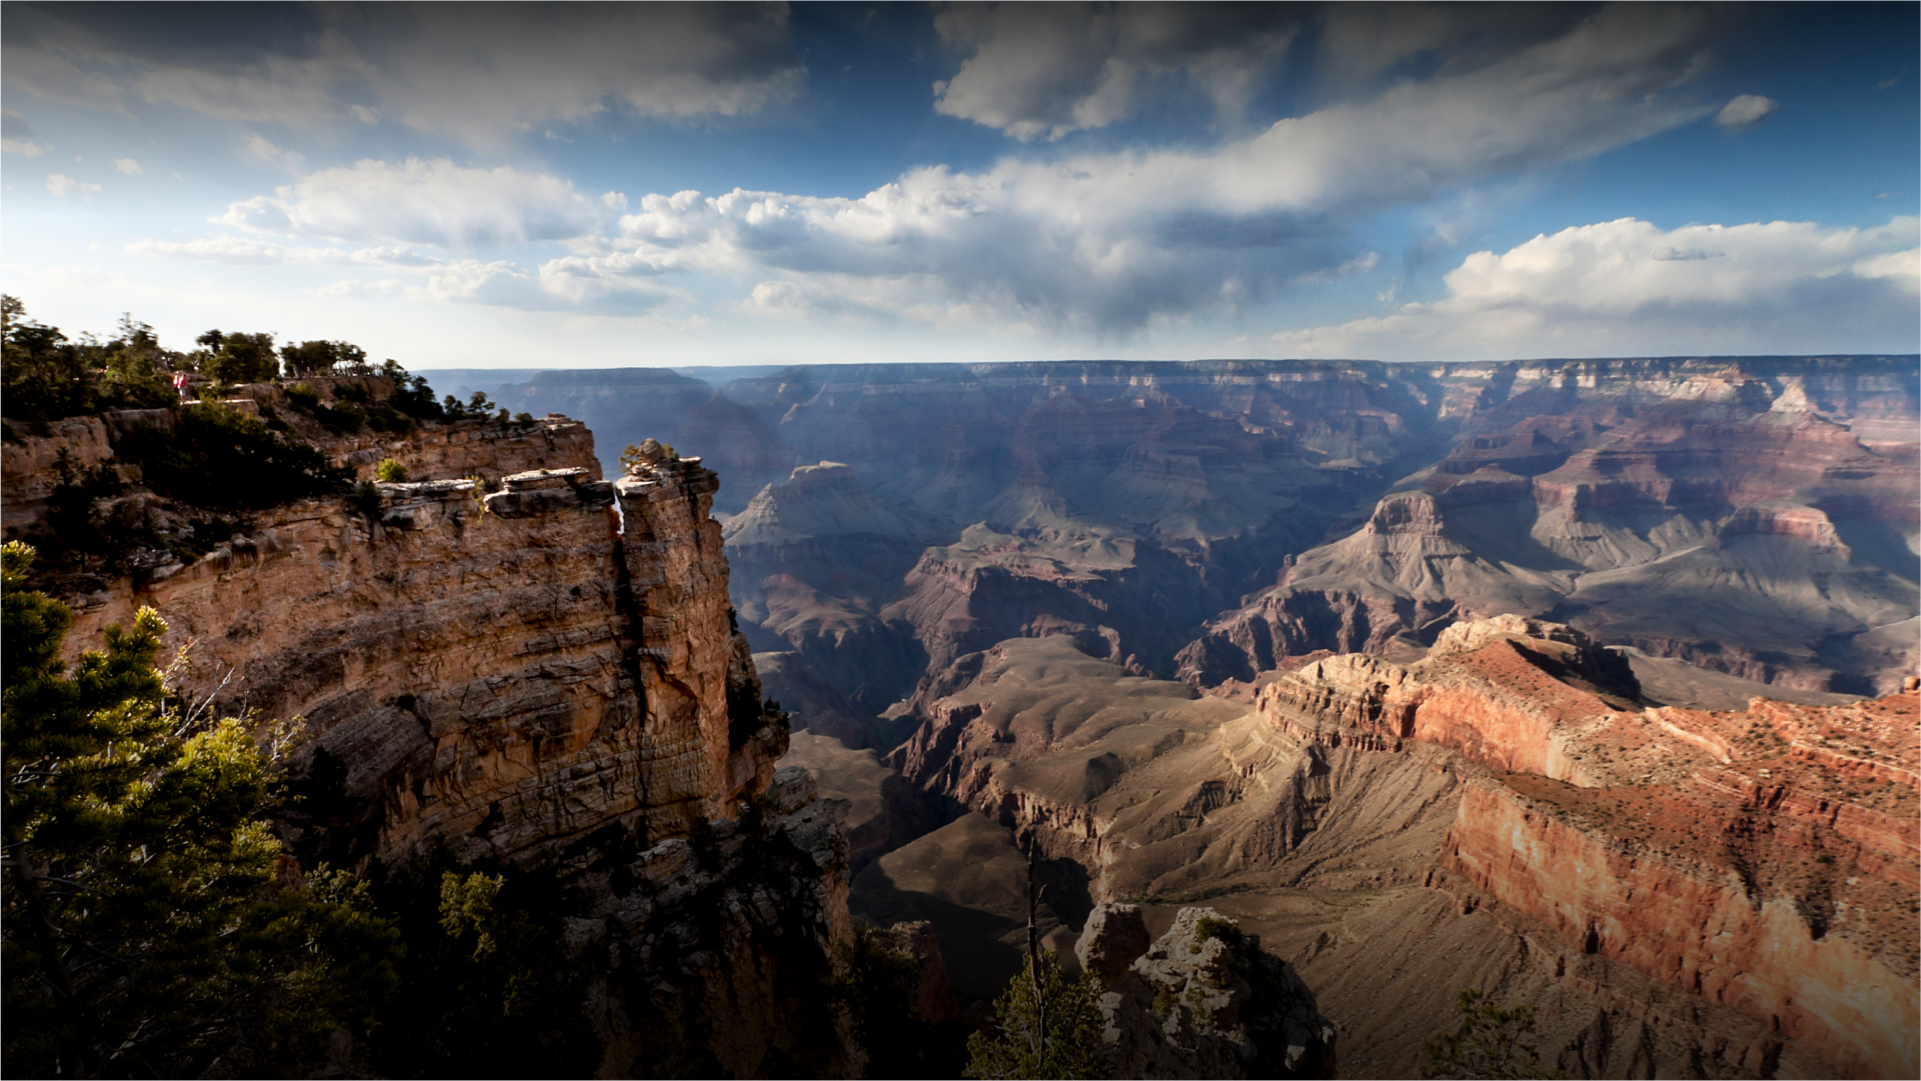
pixel 1048 69
pixel 478 72
pixel 1045 70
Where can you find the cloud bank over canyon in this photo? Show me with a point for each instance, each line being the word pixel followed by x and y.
pixel 1314 181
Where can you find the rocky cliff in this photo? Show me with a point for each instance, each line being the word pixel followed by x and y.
pixel 1761 859
pixel 1149 503
pixel 526 666
pixel 1202 1000
pixel 1496 813
pixel 1781 545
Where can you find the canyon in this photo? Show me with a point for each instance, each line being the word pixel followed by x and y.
pixel 1590 684
pixel 1426 674
pixel 1677 890
pixel 1210 519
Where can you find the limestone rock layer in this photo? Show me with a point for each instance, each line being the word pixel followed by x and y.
pixel 496 672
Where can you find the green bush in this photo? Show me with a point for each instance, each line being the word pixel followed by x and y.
pixel 303 396
pixel 219 457
pixel 149 927
pixel 43 376
pixel 1045 1025
pixel 390 472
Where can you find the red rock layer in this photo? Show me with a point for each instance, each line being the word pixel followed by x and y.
pixel 1695 922
pixel 1764 859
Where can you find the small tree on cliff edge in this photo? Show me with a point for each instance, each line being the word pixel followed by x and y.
pixel 1046 1024
pixel 1490 1042
pixel 151 925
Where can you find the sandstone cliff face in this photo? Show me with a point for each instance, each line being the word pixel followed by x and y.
pixel 544 673
pixel 1680 890
pixel 1762 860
pixel 1707 932
pixel 494 672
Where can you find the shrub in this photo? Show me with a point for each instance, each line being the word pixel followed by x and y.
pixel 390 472
pixel 149 928
pixel 303 396
pixel 1490 1042
pixel 1045 1026
pixel 219 457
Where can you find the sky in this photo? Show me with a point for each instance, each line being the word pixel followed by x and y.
pixel 610 185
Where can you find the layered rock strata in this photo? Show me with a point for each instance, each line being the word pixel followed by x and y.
pixel 1763 860
pixel 495 672
pixel 1780 544
pixel 536 666
pixel 1512 797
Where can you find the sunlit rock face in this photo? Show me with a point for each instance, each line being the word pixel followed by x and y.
pixel 509 658
pixel 1670 884
pixel 497 672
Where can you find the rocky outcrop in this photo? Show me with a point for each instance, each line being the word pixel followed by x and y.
pixel 627 405
pixel 31 462
pixel 1203 1000
pixel 1762 860
pixel 494 672
pixel 719 945
pixel 1774 538
pixel 538 667
pixel 1509 692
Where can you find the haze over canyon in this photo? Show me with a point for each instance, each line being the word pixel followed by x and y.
pixel 1099 605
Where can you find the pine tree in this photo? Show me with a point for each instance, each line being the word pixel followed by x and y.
pixel 152 924
pixel 1045 1025
pixel 1048 1026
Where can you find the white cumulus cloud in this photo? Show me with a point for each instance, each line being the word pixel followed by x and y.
pixel 1617 288
pixel 421 202
pixel 1746 111
pixel 63 185
pixel 128 166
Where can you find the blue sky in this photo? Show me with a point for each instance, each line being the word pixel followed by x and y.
pixel 661 185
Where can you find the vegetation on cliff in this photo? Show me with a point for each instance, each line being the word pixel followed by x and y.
pixel 153 925
pixel 1491 1041
pixel 219 457
pixel 45 376
pixel 1045 1025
